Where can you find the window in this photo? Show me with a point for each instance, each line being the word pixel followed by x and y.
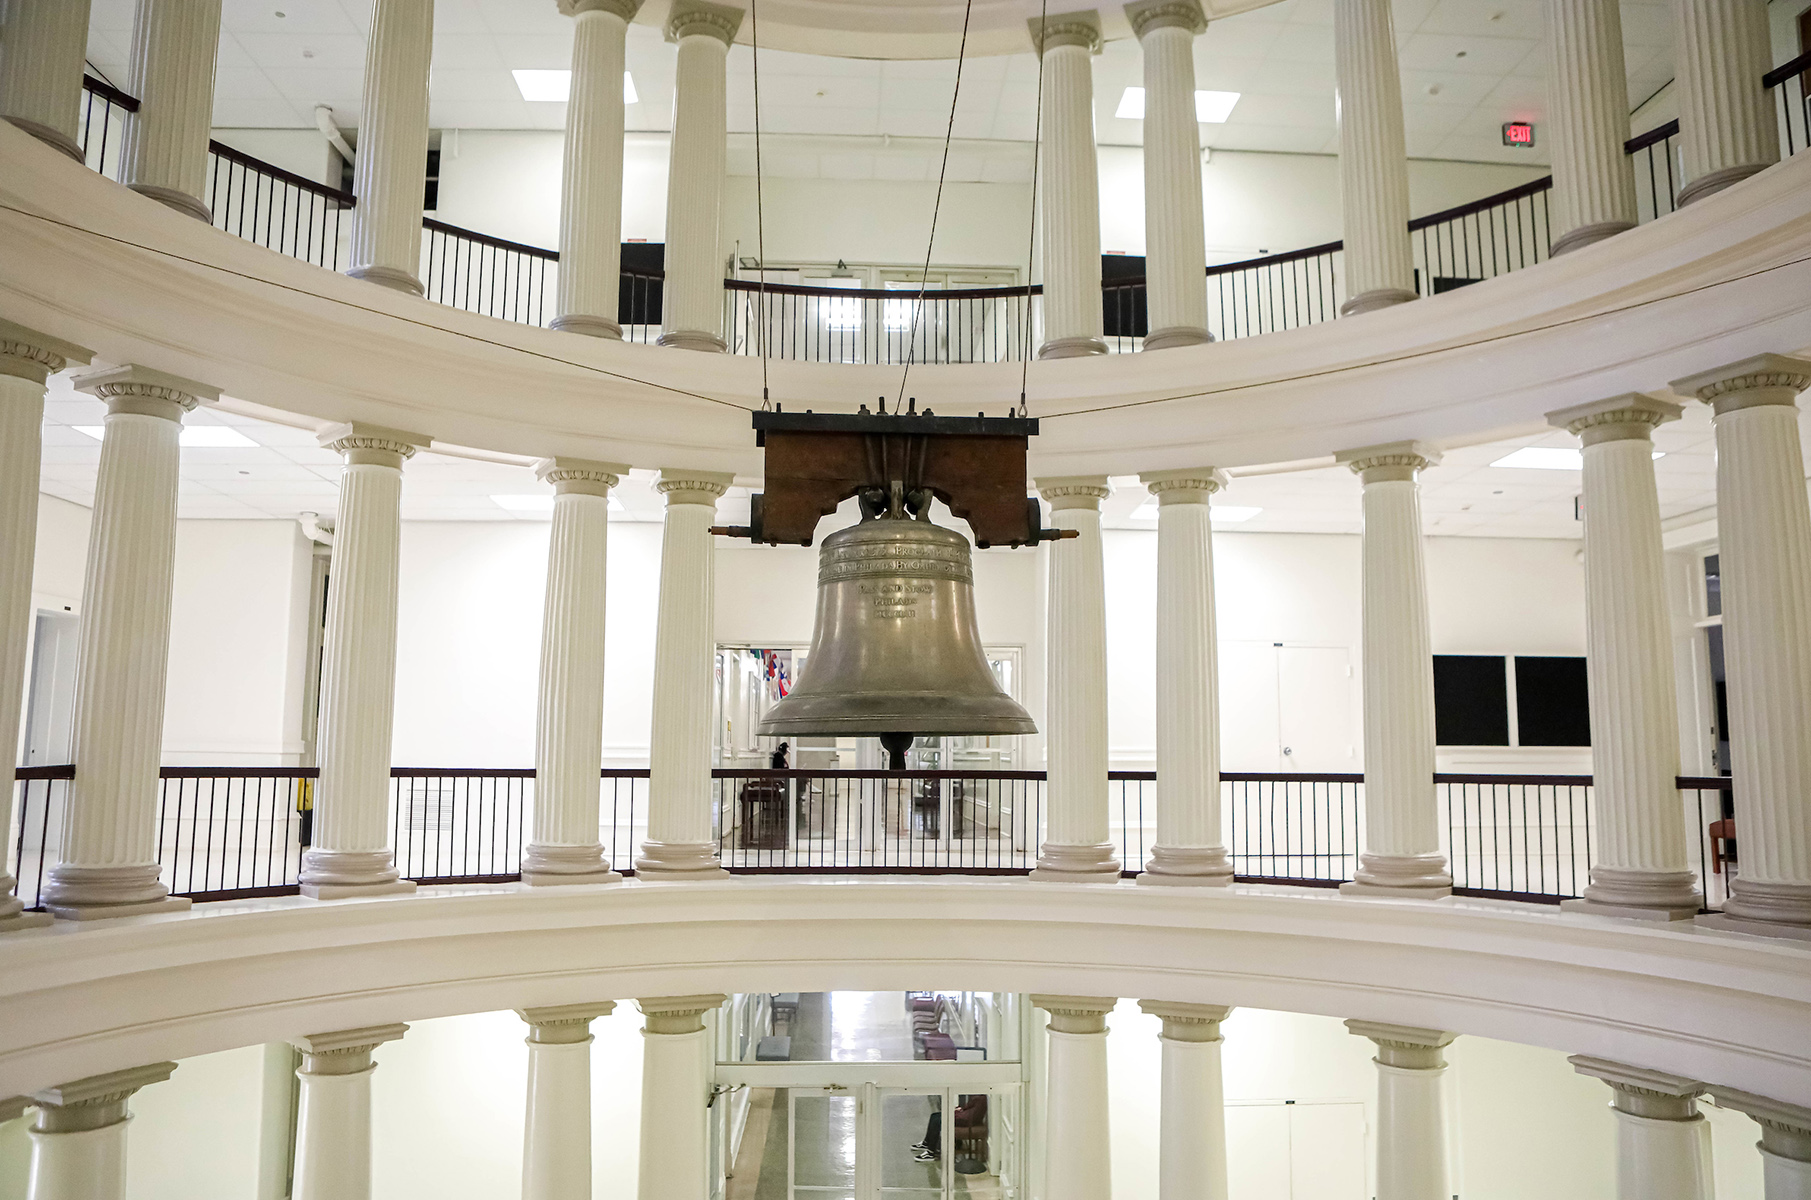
pixel 1475 695
pixel 1471 700
pixel 1551 701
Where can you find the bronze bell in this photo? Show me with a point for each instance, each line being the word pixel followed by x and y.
pixel 895 652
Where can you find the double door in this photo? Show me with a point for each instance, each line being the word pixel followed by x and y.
pixel 869 1142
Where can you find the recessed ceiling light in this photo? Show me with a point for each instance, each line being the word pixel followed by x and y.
pixel 549 87
pixel 210 436
pixel 629 96
pixel 1549 458
pixel 1211 108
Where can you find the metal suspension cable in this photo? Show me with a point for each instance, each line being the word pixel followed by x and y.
pixel 924 277
pixel 754 21
pixel 1031 234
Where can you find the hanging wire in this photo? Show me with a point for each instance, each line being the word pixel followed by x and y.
pixel 1031 235
pixel 924 278
pixel 754 21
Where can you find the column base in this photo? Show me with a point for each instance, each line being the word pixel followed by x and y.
pixel 71 890
pixel 1402 876
pixel 389 277
pixel 1187 866
pixel 1785 907
pixel 1646 895
pixel 55 138
pixel 1073 347
pixel 1725 923
pixel 181 201
pixel 597 327
pixel 552 865
pixel 24 920
pixel 1587 235
pixel 1076 864
pixel 692 339
pixel 1175 336
pixel 1375 299
pixel 102 912
pixel 337 874
pixel 1716 181
pixel 1630 912
pixel 679 860
pixel 346 891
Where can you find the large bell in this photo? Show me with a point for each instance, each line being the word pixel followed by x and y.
pixel 895 652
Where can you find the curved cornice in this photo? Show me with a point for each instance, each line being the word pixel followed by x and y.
pixel 1726 279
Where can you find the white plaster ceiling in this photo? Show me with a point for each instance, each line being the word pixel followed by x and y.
pixel 1467 67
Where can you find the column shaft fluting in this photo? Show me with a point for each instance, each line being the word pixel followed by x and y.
pixel 1640 867
pixel 174 45
pixel 1662 1141
pixel 1190 847
pixel 591 189
pixel 679 754
pixel 675 1088
pixel 43 52
pixel 1764 548
pixel 556 1131
pixel 1588 98
pixel 1191 1152
pixel 1069 187
pixel 78 1142
pixel 1373 158
pixel 1727 126
pixel 692 302
pixel 1401 853
pixel 1175 239
pixel 1078 1163
pixel 1076 846
pixel 27 360
pixel 351 854
pixel 563 846
pixel 1413 1157
pixel 390 174
pixel 107 863
pixel 333 1113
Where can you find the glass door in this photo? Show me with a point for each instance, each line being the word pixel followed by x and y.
pixel 822 1151
pixel 942 1144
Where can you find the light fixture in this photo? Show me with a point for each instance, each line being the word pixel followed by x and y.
pixel 555 87
pixel 629 96
pixel 1549 458
pixel 1211 108
pixel 206 436
pixel 1219 514
pixel 538 503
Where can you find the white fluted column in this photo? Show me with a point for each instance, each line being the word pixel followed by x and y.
pixel 679 841
pixel 1588 120
pixel 563 845
pixel 1662 1140
pixel 78 1142
pixel 675 1093
pixel 1175 239
pixel 1190 847
pixel 1764 545
pixel 1641 866
pixel 1373 158
pixel 1191 1153
pixel 1401 854
pixel 1727 124
pixel 43 53
pixel 391 170
pixel 1413 1158
pixel 174 43
pixel 1069 186
pixel 1078 1162
pixel 351 854
pixel 556 1131
pixel 27 359
pixel 1785 1143
pixel 692 300
pixel 107 863
pixel 1076 845
pixel 333 1112
pixel 591 188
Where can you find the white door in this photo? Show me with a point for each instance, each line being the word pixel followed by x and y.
pixel 1248 707
pixel 1317 725
pixel 1287 1151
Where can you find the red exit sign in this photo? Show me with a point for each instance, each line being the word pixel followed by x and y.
pixel 1518 133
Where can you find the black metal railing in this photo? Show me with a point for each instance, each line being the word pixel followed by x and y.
pixel 1517 836
pixel 1483 239
pixel 1791 83
pixel 277 209
pixel 1655 157
pixel 880 325
pixel 461 268
pixel 103 125
pixel 1710 798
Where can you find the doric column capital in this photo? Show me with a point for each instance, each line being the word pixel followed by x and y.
pixel 1074 491
pixel 95 1102
pixel 1389 461
pixel 1188 1022
pixel 346 1052
pixel 1641 1092
pixel 36 356
pixel 1166 14
pixel 1763 379
pixel 1185 487
pixel 626 9
pixel 690 17
pixel 1066 29
pixel 1077 1014
pixel 372 445
pixel 1785 1128
pixel 693 487
pixel 140 390
pixel 579 475
pixel 1407 1046
pixel 564 1024
pixel 1632 415
pixel 678 1014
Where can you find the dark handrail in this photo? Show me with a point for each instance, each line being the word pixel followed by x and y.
pixel 1532 188
pixel 485 239
pixel 61 771
pixel 1787 70
pixel 1658 133
pixel 222 150
pixel 804 289
pixel 108 92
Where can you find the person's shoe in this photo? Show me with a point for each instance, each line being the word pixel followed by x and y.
pixel 925 1156
pixel 917 1145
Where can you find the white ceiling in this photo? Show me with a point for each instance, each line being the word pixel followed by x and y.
pixel 1467 67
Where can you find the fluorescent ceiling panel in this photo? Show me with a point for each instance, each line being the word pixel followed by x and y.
pixel 1549 458
pixel 1211 108
pixel 554 87
pixel 212 436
